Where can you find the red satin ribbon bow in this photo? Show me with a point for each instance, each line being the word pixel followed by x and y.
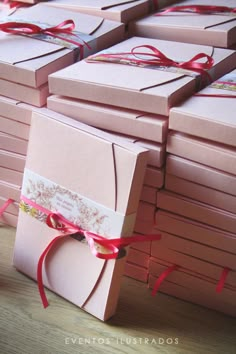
pixel 157 58
pixel 65 27
pixel 199 9
pixel 59 223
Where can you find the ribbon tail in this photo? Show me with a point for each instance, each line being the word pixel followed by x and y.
pixel 40 269
pixel 222 280
pixel 5 206
pixel 162 277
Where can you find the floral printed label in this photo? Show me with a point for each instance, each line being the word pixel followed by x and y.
pixel 76 208
pixel 227 82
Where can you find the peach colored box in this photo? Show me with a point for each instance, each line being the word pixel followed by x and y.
pixel 139 124
pixel 207 116
pixel 13 144
pixel 11 176
pixel 12 160
pixel 116 10
pixel 17 129
pixel 195 210
pixel 80 198
pixel 201 193
pixel 154 177
pixel 217 29
pixel 8 190
pixel 15 110
pixel 138 257
pixel 135 87
pixel 136 272
pixel 32 66
pixel 146 212
pixel 149 194
pixel 203 151
pixel 201 174
pixel 195 231
pixel 197 290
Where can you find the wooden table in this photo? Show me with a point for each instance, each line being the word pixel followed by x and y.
pixel 142 325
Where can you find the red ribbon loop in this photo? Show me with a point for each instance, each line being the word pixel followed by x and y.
pixel 199 9
pixel 162 277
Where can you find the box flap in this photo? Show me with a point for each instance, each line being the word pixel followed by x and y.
pixel 96 4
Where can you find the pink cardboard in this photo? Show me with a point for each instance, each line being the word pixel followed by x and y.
pixel 8 190
pixel 11 176
pixel 146 212
pixel 149 194
pixel 12 160
pixel 133 87
pixel 13 144
pixel 136 272
pixel 15 110
pixel 9 219
pixel 138 257
pixel 97 152
pixel 17 129
pixel 120 120
pixel 154 177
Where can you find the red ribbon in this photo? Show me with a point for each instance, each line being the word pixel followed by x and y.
pixel 214 95
pixel 222 280
pixel 65 27
pixel 5 206
pixel 157 58
pixel 199 9
pixel 162 277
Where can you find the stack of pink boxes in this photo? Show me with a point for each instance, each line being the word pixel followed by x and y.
pixel 24 80
pixel 198 206
pixel 104 93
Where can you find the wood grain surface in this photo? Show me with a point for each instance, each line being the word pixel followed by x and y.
pixel 143 324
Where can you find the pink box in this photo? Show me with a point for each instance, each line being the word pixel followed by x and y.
pixel 201 174
pixel 198 266
pixel 136 272
pixel 197 290
pixel 9 219
pixel 11 176
pixel 149 194
pixel 116 10
pixel 209 117
pixel 201 193
pixel 8 190
pixel 15 110
pixel 80 198
pixel 142 246
pixel 144 227
pixel 138 257
pixel 12 160
pixel 13 144
pixel 133 87
pixel 208 29
pixel 12 209
pixel 32 66
pixel 154 177
pixel 195 231
pixel 195 210
pixel 134 123
pixel 146 212
pixel 12 127
pixel 195 249
pixel 211 154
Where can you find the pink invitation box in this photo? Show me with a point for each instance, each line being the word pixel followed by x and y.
pixel 12 160
pixel 136 272
pixel 11 176
pixel 209 114
pixel 134 123
pixel 138 257
pixel 116 10
pixel 201 193
pixel 190 287
pixel 146 212
pixel 149 194
pixel 197 265
pixel 13 144
pixel 214 28
pixel 105 79
pixel 197 250
pixel 9 219
pixel 201 174
pixel 195 231
pixel 195 210
pixel 8 190
pixel 17 129
pixel 15 110
pixel 203 151
pixel 80 198
pixel 32 66
pixel 154 177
